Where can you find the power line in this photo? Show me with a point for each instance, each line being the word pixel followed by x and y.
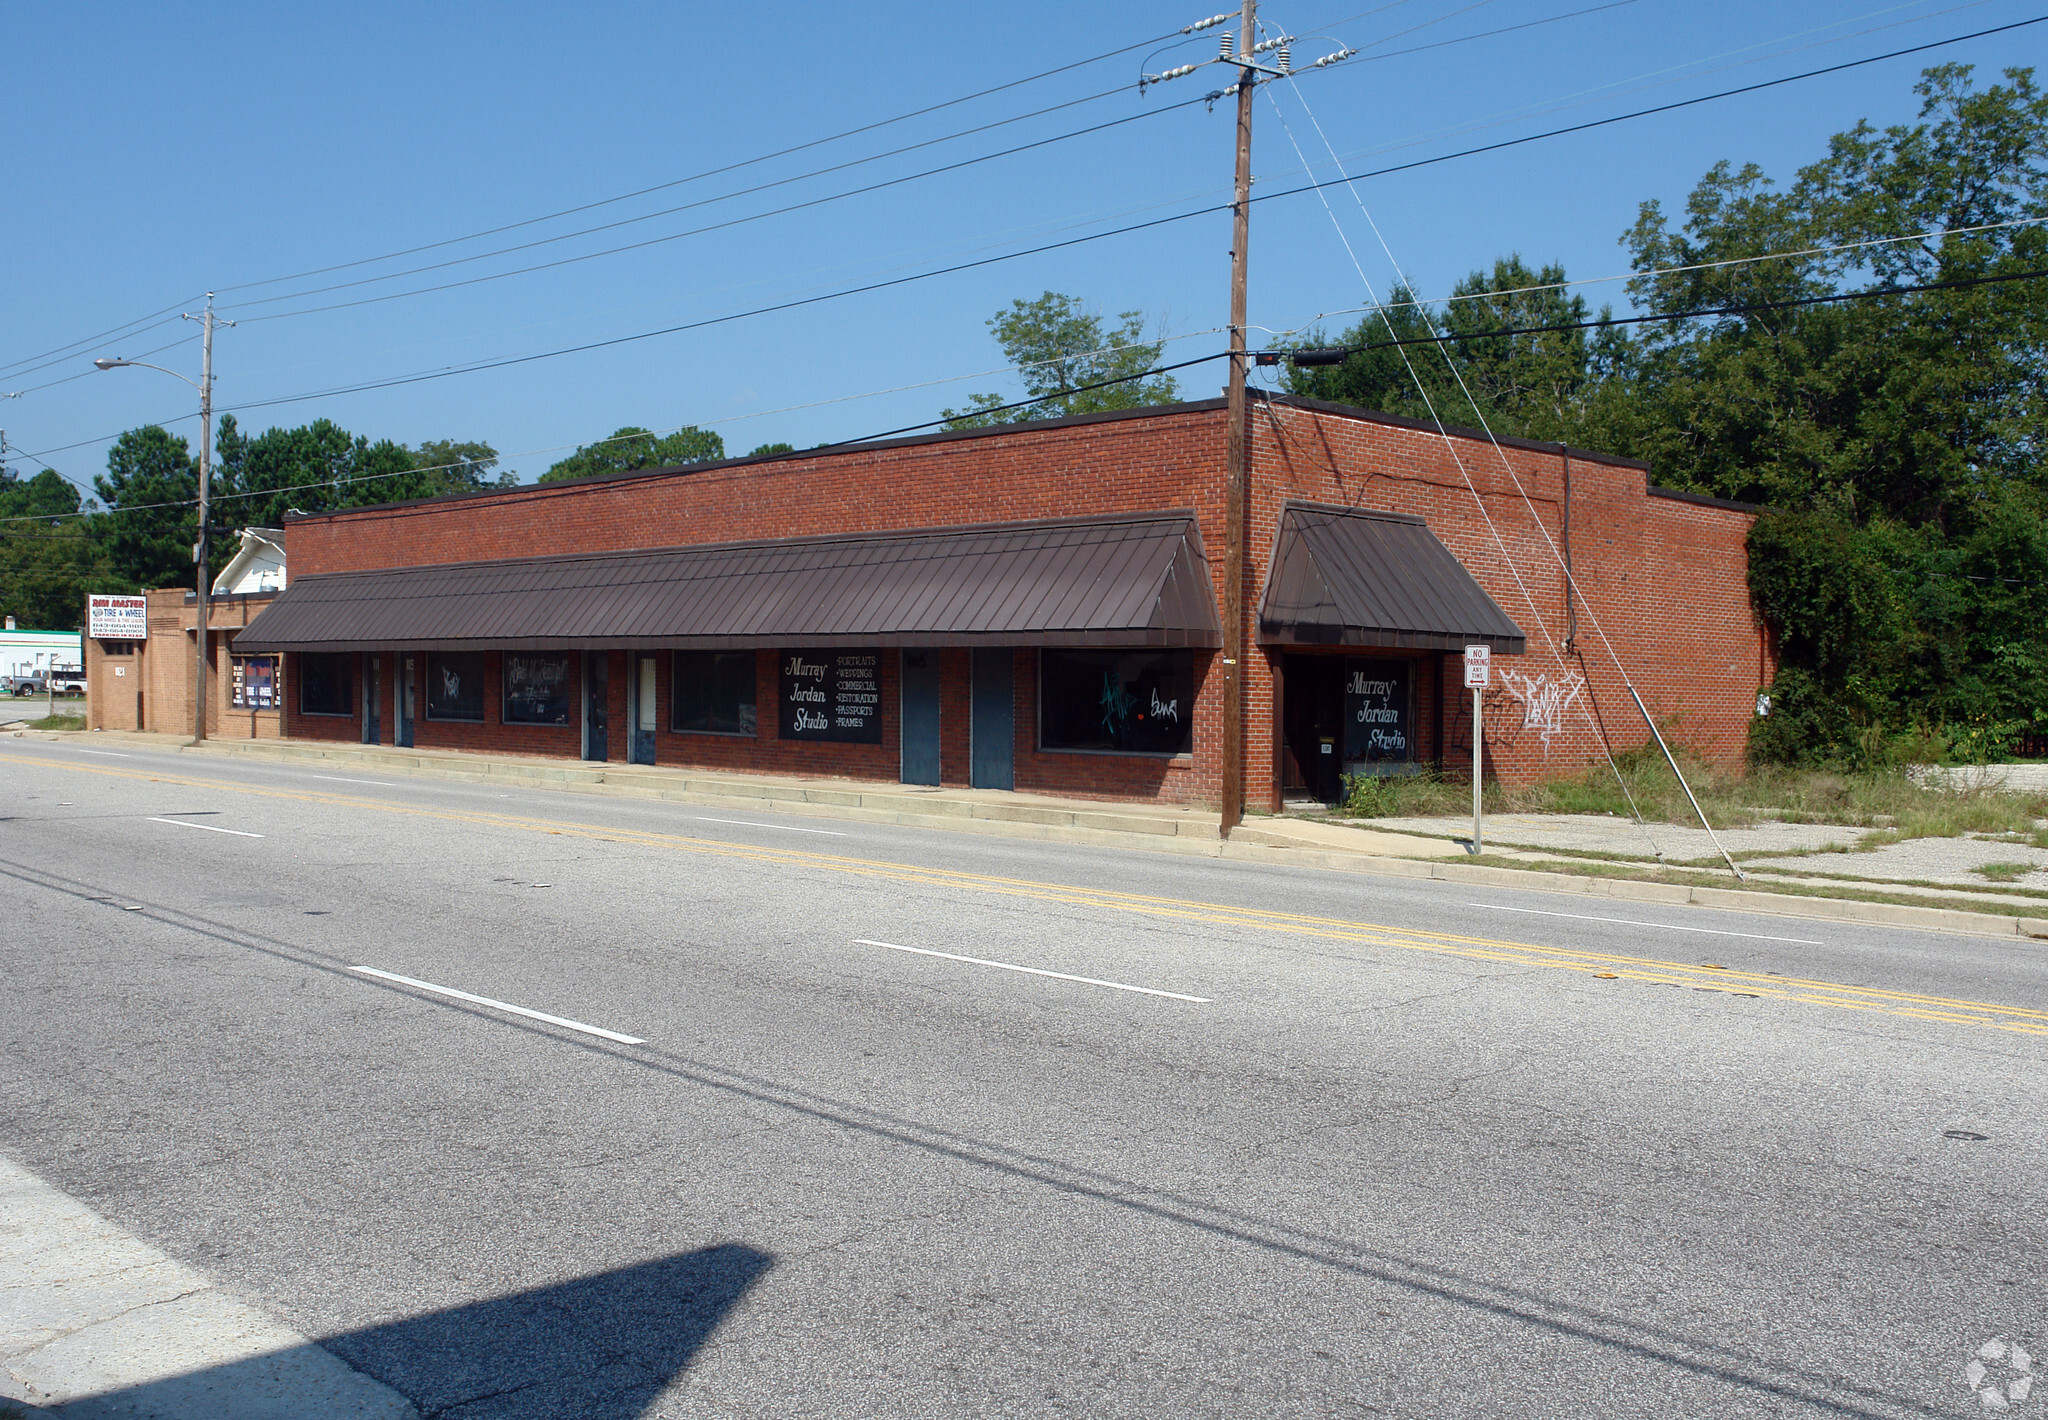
pixel 800 177
pixel 1124 230
pixel 82 374
pixel 117 331
pixel 1314 186
pixel 1838 248
pixel 640 475
pixel 709 320
pixel 1435 339
pixel 389 276
pixel 63 354
pixel 622 438
pixel 1485 34
pixel 1660 108
pixel 692 232
pixel 636 475
pixel 713 172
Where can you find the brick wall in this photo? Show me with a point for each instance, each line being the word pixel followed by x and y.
pixel 1663 581
pixel 154 690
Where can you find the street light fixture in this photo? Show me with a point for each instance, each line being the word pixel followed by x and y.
pixel 202 663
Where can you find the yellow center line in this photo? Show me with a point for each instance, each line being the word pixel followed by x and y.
pixel 1723 980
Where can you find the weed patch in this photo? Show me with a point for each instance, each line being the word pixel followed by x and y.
pixel 2003 872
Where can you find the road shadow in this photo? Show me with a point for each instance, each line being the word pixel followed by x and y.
pixel 598 1348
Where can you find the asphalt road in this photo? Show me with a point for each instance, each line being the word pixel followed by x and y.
pixel 1359 1145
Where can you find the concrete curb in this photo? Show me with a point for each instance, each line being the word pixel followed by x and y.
pixel 1185 834
pixel 100 1324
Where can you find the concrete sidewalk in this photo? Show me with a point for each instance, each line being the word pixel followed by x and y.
pixel 98 1325
pixel 1797 850
pixel 1429 848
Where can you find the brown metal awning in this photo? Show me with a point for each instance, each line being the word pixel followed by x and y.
pixel 1351 577
pixel 1135 581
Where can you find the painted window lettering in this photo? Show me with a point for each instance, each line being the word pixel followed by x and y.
pixel 831 695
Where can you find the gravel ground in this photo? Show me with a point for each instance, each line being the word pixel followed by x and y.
pixel 1807 848
pixel 1608 834
pixel 1942 860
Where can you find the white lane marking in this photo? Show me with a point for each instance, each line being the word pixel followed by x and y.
pixel 1630 922
pixel 786 828
pixel 107 753
pixel 207 826
pixel 1034 971
pixel 337 779
pixel 452 993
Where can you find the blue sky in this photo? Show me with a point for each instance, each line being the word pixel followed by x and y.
pixel 157 151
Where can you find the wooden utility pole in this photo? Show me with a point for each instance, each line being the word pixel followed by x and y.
pixel 1238 450
pixel 203 666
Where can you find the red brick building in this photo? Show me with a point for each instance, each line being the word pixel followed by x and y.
pixel 1035 606
pixel 147 685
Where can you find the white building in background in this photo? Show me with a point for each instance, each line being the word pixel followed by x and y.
pixel 258 567
pixel 27 652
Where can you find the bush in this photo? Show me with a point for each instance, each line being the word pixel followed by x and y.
pixel 1898 644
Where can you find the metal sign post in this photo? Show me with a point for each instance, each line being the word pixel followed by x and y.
pixel 1478 676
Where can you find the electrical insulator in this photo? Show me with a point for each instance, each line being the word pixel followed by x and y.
pixel 1210 23
pixel 1286 61
pixel 1228 47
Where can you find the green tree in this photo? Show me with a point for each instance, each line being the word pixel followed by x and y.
pixel 1377 372
pixel 315 468
pixel 48 558
pixel 150 492
pixel 462 467
pixel 1904 433
pixel 1060 347
pixel 1912 406
pixel 632 448
pixel 1453 362
pixel 48 495
pixel 762 451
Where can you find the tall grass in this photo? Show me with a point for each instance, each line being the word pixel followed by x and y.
pixel 1884 798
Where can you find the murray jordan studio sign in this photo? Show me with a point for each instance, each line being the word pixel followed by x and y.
pixel 832 695
pixel 1376 712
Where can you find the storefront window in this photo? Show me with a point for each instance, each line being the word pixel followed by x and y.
pixel 830 695
pixel 455 685
pixel 1376 713
pixel 255 685
pixel 714 693
pixel 327 683
pixel 536 688
pixel 1117 702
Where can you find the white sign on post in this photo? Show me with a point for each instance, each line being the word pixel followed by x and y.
pixel 1478 667
pixel 1478 677
pixel 117 618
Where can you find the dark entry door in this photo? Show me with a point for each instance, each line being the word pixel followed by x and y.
pixel 641 748
pixel 405 702
pixel 1314 700
pixel 597 724
pixel 920 717
pixel 373 728
pixel 994 728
